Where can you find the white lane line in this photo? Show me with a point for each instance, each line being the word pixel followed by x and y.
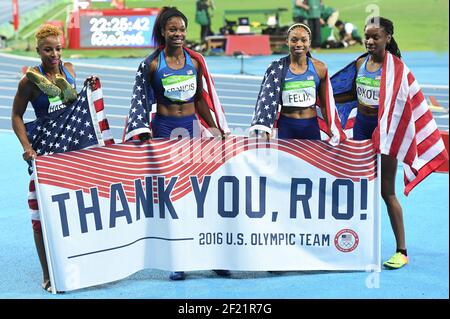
pixel 218 83
pixel 434 86
pixel 238 114
pixel 81 64
pixel 238 105
pixel 113 75
pixel 237 98
pixel 237 91
pixel 430 93
pixel 9 118
pixel 239 124
pixel 9 88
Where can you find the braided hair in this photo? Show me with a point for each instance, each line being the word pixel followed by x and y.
pixel 161 20
pixel 388 27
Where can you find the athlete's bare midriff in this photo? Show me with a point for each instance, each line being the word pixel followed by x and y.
pixel 299 113
pixel 176 110
pixel 367 110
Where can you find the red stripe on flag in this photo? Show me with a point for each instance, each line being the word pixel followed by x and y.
pixel 427 143
pixel 402 126
pixel 33 204
pixel 109 142
pixel 99 106
pixel 426 170
pixel 411 154
pixel 350 123
pixel 411 78
pixel 32 187
pixel 421 122
pixel 445 166
pixel 103 125
pixel 417 100
pixel 398 72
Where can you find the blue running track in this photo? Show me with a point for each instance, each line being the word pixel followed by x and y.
pixel 426 209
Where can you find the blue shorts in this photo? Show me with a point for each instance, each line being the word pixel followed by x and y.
pixel 306 129
pixel 364 126
pixel 173 127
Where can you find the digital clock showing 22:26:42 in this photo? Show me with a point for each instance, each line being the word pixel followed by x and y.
pixel 119 24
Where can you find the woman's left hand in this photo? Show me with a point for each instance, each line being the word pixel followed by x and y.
pixel 29 154
pixel 91 81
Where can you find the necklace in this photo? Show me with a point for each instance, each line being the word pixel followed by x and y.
pixel 179 60
pixel 49 75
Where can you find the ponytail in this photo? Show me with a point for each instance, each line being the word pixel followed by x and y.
pixel 393 48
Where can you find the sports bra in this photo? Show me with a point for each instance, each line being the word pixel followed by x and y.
pixel 368 86
pixel 300 90
pixel 175 86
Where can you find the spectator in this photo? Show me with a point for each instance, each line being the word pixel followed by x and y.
pixel 2 42
pixel 328 15
pixel 348 33
pixel 118 4
pixel 203 18
pixel 314 16
pixel 300 11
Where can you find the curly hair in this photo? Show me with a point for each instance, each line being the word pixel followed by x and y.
pixel 47 30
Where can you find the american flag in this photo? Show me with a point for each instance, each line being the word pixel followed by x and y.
pixel 79 125
pixel 406 128
pixel 143 102
pixel 269 103
pixel 346 237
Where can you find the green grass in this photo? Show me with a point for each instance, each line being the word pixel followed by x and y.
pixel 419 25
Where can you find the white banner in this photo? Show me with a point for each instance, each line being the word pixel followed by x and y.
pixel 180 205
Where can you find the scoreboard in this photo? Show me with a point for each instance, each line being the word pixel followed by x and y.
pixel 131 28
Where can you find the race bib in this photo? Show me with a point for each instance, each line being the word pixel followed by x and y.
pixel 299 94
pixel 368 91
pixel 180 88
pixel 55 104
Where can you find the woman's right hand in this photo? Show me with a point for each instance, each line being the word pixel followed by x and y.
pixel 29 154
